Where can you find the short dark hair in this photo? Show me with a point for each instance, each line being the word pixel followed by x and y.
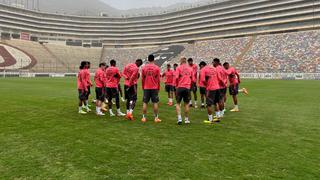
pixel 216 60
pixel 102 64
pixel 151 58
pixel 226 63
pixel 190 60
pixel 113 62
pixel 175 64
pixel 202 63
pixel 168 65
pixel 82 64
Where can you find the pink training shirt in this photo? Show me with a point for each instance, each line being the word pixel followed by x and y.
pixel 169 75
pixel 131 74
pixel 184 76
pixel 113 76
pixel 87 72
pixel 151 77
pixel 232 74
pixel 195 73
pixel 202 76
pixel 100 78
pixel 212 78
pixel 174 78
pixel 223 75
pixel 82 81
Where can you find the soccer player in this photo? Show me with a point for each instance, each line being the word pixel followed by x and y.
pixel 213 82
pixel 168 75
pixel 113 76
pixel 223 87
pixel 131 76
pixel 234 80
pixel 151 86
pixel 100 80
pixel 175 66
pixel 82 84
pixel 194 83
pixel 184 79
pixel 202 86
pixel 87 72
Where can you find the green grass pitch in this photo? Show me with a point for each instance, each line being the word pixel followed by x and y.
pixel 276 135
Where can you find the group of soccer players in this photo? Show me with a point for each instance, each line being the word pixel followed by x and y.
pixel 180 82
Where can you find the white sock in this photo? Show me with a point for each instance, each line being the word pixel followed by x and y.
pixel 195 103
pixel 179 118
pixel 131 111
pixel 118 111
pixel 110 111
pixel 170 100
pixel 128 111
pixel 98 109
pixel 236 106
pixel 210 117
pixel 80 108
pixel 190 102
pixel 217 114
pixel 186 119
pixel 222 112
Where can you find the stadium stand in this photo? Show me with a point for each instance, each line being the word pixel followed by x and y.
pixel 259 36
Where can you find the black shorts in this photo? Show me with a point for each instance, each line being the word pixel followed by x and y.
pixel 82 94
pixel 174 88
pixel 100 95
pixel 130 93
pixel 183 93
pixel 223 93
pixel 234 89
pixel 88 92
pixel 169 88
pixel 194 87
pixel 213 97
pixel 203 91
pixel 151 94
pixel 112 93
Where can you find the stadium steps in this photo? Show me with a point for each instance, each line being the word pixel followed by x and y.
pixel 245 50
pixel 57 59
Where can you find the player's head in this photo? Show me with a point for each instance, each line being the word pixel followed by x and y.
pixel 168 66
pixel 202 64
pixel 183 60
pixel 82 65
pixel 175 66
pixel 113 63
pixel 151 58
pixel 226 65
pixel 88 64
pixel 190 61
pixel 139 62
pixel 216 62
pixel 102 65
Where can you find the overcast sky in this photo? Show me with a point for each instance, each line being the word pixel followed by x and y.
pixel 129 4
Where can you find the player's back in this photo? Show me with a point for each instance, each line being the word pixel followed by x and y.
pixel 129 71
pixel 184 76
pixel 112 76
pixel 213 78
pixel 223 76
pixel 99 78
pixel 151 76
